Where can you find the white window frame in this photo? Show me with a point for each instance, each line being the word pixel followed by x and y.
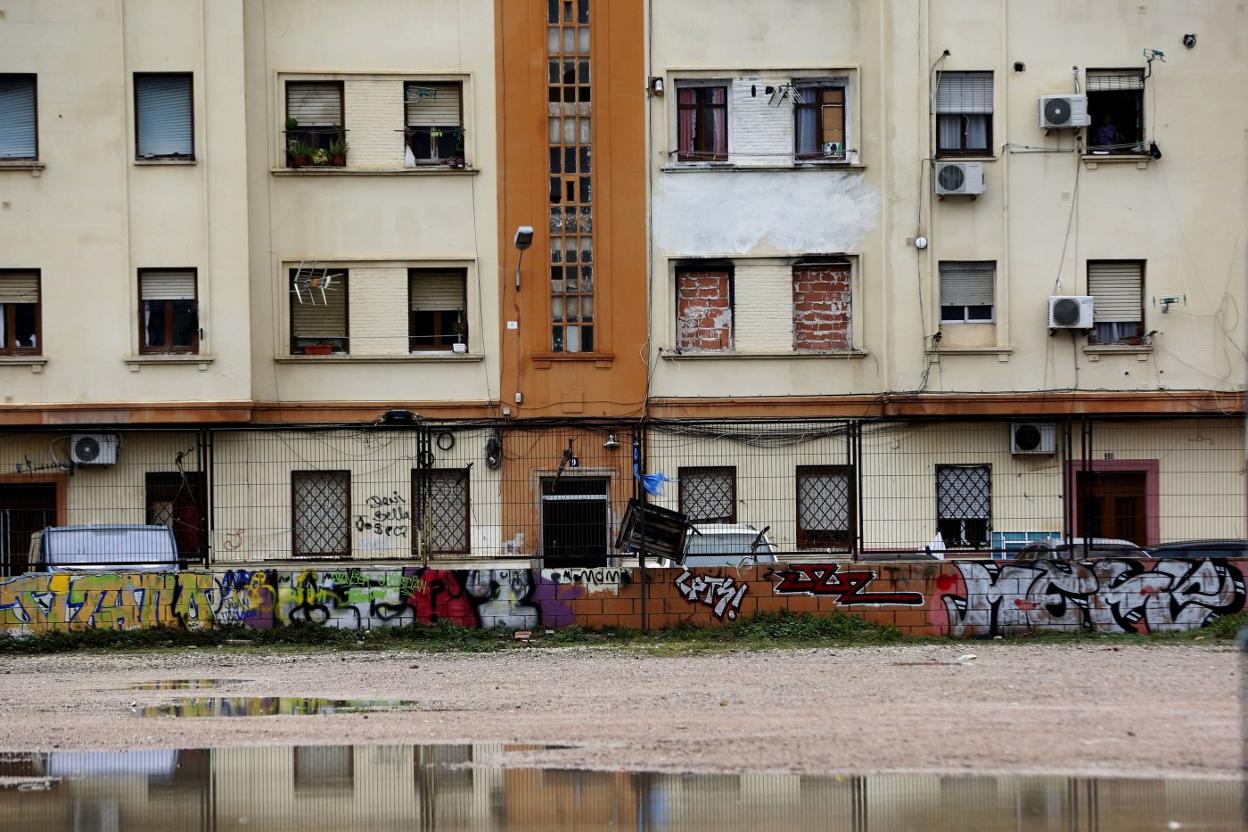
pixel 965 319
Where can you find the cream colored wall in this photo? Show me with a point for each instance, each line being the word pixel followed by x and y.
pixel 1184 214
pixel 93 215
pixel 375 214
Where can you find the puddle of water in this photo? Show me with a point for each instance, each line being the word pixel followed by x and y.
pixel 201 706
pixel 453 787
pixel 183 684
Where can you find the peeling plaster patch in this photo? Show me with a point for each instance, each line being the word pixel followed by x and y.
pixel 723 213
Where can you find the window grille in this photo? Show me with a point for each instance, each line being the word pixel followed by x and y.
pixel 708 495
pixel 322 513
pixel 446 527
pixel 964 504
pixel 824 507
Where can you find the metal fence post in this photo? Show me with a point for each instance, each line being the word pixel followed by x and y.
pixel 639 493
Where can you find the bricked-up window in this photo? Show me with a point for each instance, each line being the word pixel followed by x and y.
pixel 442 514
pixel 314 127
pixel 570 134
pixel 704 309
pixel 825 514
pixel 702 122
pixel 966 291
pixel 19 313
pixel 319 317
pixel 964 114
pixel 438 304
pixel 1116 110
pixel 819 122
pixel 321 509
pixel 708 495
pixel 168 310
pixel 19 134
pixel 1117 290
pixel 823 307
pixel 964 505
pixel 435 123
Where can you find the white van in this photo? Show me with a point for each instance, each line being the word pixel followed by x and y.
pixel 104 548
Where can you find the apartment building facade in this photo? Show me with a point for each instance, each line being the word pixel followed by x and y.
pixel 796 258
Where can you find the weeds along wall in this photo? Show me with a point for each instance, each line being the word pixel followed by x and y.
pixel 957 598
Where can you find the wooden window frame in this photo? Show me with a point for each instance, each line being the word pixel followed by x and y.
pixel 683 472
pixel 463 475
pixel 10 316
pixel 167 348
pixel 294 495
pixel 34 89
pixel 346 311
pixel 819 87
pixel 804 539
pixel 702 110
pixel 190 76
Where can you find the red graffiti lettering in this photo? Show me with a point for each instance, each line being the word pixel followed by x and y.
pixel 826 579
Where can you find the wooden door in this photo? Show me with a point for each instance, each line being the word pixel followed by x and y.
pixel 24 509
pixel 1112 504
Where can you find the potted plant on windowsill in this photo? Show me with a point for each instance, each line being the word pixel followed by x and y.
pixel 338 152
pixel 318 349
pixel 460 332
pixel 320 157
pixel 300 154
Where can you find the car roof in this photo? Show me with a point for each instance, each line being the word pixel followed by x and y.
pixel 1202 544
pixel 722 528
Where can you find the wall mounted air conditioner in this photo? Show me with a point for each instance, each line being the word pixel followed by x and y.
pixel 1033 438
pixel 1070 312
pixel 93 449
pixel 1060 112
pixel 959 179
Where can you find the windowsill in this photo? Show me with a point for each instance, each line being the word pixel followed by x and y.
pixel 970 350
pixel 432 170
pixel 34 362
pixel 137 362
pixel 33 165
pixel 813 165
pixel 172 160
pixel 1118 349
pixel 382 359
pixel 946 157
pixel 1141 160
pixel 672 355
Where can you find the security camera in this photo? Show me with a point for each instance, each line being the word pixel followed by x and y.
pixel 524 237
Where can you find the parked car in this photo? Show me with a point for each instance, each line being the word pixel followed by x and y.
pixel 104 548
pixel 1201 549
pixel 727 544
pixel 1097 547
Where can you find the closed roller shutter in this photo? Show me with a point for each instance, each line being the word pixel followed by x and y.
pixel 437 291
pixel 17 118
pixel 22 287
pixel 172 285
pixel 964 92
pixel 433 105
pixel 163 104
pixel 1108 80
pixel 314 104
pixel 967 284
pixel 317 319
pixel 1117 290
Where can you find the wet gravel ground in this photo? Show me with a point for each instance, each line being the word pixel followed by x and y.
pixel 1113 710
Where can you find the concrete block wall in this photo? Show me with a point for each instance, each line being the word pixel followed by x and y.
pixel 972 599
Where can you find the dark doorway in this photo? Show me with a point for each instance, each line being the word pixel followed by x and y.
pixel 176 500
pixel 1112 504
pixel 24 510
pixel 574 521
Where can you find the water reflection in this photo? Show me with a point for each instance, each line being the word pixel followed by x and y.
pixel 183 684
pixel 447 787
pixel 199 706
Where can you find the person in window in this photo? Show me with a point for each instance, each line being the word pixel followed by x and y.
pixel 1106 135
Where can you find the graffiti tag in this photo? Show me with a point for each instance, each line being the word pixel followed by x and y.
pixel 723 595
pixel 848 587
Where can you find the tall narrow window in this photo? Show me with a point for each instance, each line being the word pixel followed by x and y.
pixel 438 303
pixel 966 291
pixel 314 127
pixel 321 514
pixel 319 322
pixel 19 313
pixel 708 495
pixel 442 518
pixel 825 511
pixel 702 122
pixel 819 126
pixel 1116 109
pixel 435 123
pixel 169 311
pixel 1117 290
pixel 703 309
pixel 964 114
pixel 570 135
pixel 19 135
pixel 964 505
pixel 177 501
pixel 163 116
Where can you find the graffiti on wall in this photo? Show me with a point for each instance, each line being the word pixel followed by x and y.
pixel 387 516
pixel 826 579
pixel 371 599
pixel 246 597
pixel 593 579
pixel 722 594
pixel 1133 596
pixel 34 604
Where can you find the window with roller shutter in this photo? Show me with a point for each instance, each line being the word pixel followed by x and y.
pixel 966 291
pixel 437 300
pixel 19 313
pixel 1117 290
pixel 434 122
pixel 163 116
pixel 314 123
pixel 1116 110
pixel 964 114
pixel 319 312
pixel 168 311
pixel 19 134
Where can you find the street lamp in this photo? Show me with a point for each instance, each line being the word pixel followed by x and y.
pixel 524 239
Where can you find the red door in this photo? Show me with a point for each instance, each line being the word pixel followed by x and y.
pixel 1111 504
pixel 24 510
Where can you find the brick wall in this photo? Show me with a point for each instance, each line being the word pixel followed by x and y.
pixel 378 310
pixel 821 308
pixel 703 311
pixel 979 599
pixel 373 112
pixel 763 313
pixel 759 134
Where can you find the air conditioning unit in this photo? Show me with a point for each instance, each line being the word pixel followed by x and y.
pixel 959 178
pixel 1059 112
pixel 1033 438
pixel 93 449
pixel 1070 312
